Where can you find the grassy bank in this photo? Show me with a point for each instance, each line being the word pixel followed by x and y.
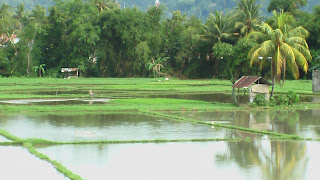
pixel 129 94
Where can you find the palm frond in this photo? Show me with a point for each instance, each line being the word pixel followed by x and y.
pixel 301 60
pixel 305 51
pixel 256 55
pixel 267 29
pixel 299 32
pixel 287 51
pixel 268 48
pixel 252 50
pixel 297 40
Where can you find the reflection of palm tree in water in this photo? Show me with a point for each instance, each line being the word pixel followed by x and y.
pixel 275 159
pixel 285 121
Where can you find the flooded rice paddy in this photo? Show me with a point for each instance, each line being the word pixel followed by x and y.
pixel 3 139
pixel 236 155
pixel 94 127
pixel 198 160
pixel 69 101
pixel 305 123
pixel 18 163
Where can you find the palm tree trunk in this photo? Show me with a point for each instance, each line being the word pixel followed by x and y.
pixel 273 82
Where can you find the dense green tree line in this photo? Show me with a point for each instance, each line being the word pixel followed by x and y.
pixel 199 8
pixel 104 40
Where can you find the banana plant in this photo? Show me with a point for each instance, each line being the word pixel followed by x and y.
pixel 40 69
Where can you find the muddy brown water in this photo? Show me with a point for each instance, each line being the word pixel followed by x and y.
pixel 264 159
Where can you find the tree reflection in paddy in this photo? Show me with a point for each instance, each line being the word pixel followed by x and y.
pixel 279 160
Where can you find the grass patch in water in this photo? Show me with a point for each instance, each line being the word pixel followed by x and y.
pixel 141 104
pixel 56 164
pixel 9 136
pixel 158 101
pixel 284 136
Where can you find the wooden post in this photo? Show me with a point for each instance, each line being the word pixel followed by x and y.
pixel 234 96
pixel 238 96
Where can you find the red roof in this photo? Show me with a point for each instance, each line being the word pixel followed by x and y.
pixel 246 81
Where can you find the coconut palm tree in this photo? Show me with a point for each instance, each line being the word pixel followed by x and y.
pixel 248 16
pixel 281 50
pixel 219 27
pixel 105 4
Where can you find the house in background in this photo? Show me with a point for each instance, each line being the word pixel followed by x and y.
pixel 4 38
pixel 255 84
pixel 70 72
pixel 315 78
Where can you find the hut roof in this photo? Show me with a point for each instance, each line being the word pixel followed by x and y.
pixel 246 81
pixel 69 69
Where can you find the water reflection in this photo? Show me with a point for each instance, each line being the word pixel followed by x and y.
pixel 305 123
pixel 214 97
pixel 97 126
pixel 204 160
pixel 18 163
pixel 3 139
pixel 221 97
pixel 76 101
pixel 279 160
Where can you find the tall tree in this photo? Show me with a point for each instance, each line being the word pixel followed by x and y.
pixel 219 28
pixel 72 35
pixel 286 5
pixel 105 4
pixel 282 50
pixel 248 16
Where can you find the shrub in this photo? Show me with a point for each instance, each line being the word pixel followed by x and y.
pixel 272 101
pixel 260 100
pixel 282 100
pixel 292 97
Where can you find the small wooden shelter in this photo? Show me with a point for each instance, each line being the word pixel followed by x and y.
pixel 255 84
pixel 70 72
pixel 315 78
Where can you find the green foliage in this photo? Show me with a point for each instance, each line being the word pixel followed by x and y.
pixel 40 69
pixel 293 98
pixel 260 100
pixel 248 16
pixel 289 99
pixel 105 40
pixel 272 101
pixel 282 100
pixel 286 5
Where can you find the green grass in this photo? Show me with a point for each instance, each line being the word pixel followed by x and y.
pixel 56 164
pixel 130 96
pixel 279 135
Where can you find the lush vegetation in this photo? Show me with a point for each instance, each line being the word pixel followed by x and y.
pixel 134 94
pixel 104 40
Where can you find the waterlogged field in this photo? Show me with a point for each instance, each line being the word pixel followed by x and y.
pixel 153 129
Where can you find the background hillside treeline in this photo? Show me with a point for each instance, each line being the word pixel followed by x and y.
pixel 104 40
pixel 199 8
